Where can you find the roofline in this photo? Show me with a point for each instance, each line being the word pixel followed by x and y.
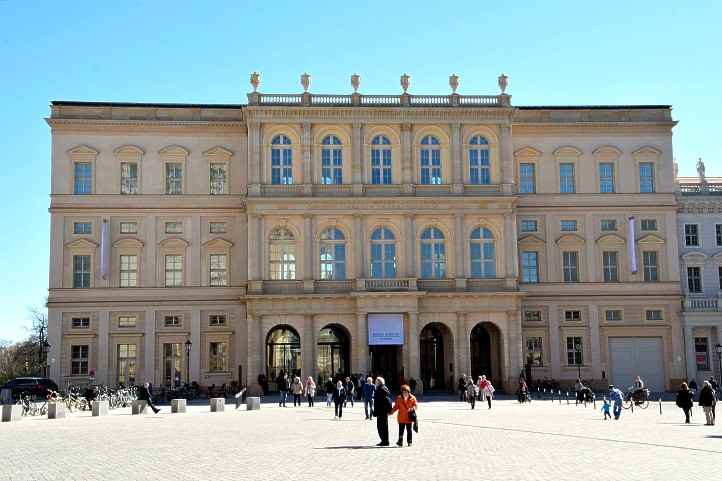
pixel 592 107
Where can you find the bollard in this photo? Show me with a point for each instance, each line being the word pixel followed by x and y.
pixel 56 410
pixel 567 397
pixel 560 396
pixel 139 407
pixel 253 403
pixel 632 403
pixel 178 405
pixel 12 412
pixel 660 405
pixel 217 404
pixel 100 408
pixel 594 400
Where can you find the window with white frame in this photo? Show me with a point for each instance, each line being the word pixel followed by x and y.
pixel 83 184
pixel 381 160
pixel 691 235
pixel 570 266
pixel 331 160
pixel 174 227
pixel 217 320
pixel 694 279
pixel 575 349
pixel 608 225
pixel 529 267
pixel 218 178
pixel 610 266
pixel 173 270
pixel 332 250
pixel 606 177
pixel 172 321
pixel 433 254
pixel 648 224
pixel 567 183
pixel 482 252
pixel 654 315
pixel 534 351
pixel 79 356
pixel 383 254
pixel 127 321
pixel 81 271
pixel 568 225
pixel 128 227
pixel 529 225
pixel 527 178
pixel 282 254
pixel 82 228
pixel 430 160
pixel 218 267
pixel 173 178
pixel 613 315
pixel 281 160
pixel 479 164
pixel 218 357
pixel 573 315
pixel 80 323
pixel 646 177
pixel 129 178
pixel 217 227
pixel 651 269
pixel 128 271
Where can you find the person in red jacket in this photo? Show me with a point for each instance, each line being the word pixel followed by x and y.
pixel 405 405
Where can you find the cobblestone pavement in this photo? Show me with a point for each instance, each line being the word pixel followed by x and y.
pixel 543 440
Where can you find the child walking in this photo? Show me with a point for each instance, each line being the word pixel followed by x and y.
pixel 605 409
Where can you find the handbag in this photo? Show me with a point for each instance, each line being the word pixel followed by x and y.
pixel 415 420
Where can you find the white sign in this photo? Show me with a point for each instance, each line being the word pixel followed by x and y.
pixel 386 329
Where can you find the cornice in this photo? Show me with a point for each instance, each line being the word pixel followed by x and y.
pixel 85 125
pixel 542 128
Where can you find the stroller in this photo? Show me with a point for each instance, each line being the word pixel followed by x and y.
pixel 585 396
pixel 523 396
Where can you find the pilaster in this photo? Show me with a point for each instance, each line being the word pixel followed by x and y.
pixel 308 354
pixel 594 342
pixel 55 339
pixel 357 163
pixel 406 158
pixel 306 156
pixel 410 237
pixel 361 345
pixel 195 360
pixel 149 371
pixel 459 249
pixel 101 374
pixel 195 251
pixel 554 341
pixel 507 160
pixel 360 249
pixel 457 170
pixel 413 366
pixel 256 353
pixel 254 158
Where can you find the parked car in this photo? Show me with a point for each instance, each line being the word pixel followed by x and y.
pixel 34 386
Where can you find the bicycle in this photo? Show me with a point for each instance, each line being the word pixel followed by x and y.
pixel 639 397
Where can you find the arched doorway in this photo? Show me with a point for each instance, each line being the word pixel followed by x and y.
pixel 283 353
pixel 486 352
pixel 436 355
pixel 333 352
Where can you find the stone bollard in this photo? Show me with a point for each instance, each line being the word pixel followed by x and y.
pixel 253 403
pixel 100 408
pixel 178 405
pixel 139 407
pixel 217 404
pixel 56 410
pixel 12 412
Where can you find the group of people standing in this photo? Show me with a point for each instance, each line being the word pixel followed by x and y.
pixel 707 400
pixel 471 391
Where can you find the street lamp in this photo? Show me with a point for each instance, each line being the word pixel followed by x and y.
pixel 578 348
pixel 718 348
pixel 189 344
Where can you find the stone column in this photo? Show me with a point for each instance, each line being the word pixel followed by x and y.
pixel 55 339
pixel 149 253
pixel 591 263
pixel 463 344
pixel 507 160
pixel 690 352
pixel 261 249
pixel 308 355
pixel 358 171
pixel 413 367
pixel 407 170
pixel 595 347
pixel 410 237
pixel 308 247
pixel 514 346
pixel 255 171
pixel 459 248
pixel 361 344
pixel 360 247
pixel 511 261
pixel 256 349
pixel 195 367
pixel 457 166
pixel 306 157
pixel 554 341
pixel 101 374
pixel 149 373
pixel 253 261
pixel 194 263
pixel 672 248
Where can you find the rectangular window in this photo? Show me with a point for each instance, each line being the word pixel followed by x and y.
pixel 613 315
pixel 128 271
pixel 701 353
pixel 534 352
pixel 527 178
pixel 608 225
pixel 532 316
pixel 174 227
pixel 83 228
pixel 218 178
pixel 694 279
pixel 479 166
pixel 529 267
pixel 606 177
pixel 649 224
pixel 172 321
pixel 173 178
pixel 218 270
pixel 691 235
pixel 83 178
pixel 568 225
pixel 610 266
pixel 331 166
pixel 217 227
pixel 573 316
pixel 173 271
pixel 128 227
pixel 654 315
pixel 81 323
pixel 127 321
pixel 218 357
pixel 575 349
pixel 651 271
pixel 570 266
pixel 529 225
pixel 281 166
pixel 380 166
pixel 128 178
pixel 126 364
pixel 79 360
pixel 81 272
pixel 567 183
pixel 646 177
pixel 217 320
pixel 718 234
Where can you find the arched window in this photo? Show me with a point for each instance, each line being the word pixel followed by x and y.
pixel 380 160
pixel 383 254
pixel 333 255
pixel 333 352
pixel 331 160
pixel 282 254
pixel 479 167
pixel 283 353
pixel 281 160
pixel 430 160
pixel 482 253
pixel 433 254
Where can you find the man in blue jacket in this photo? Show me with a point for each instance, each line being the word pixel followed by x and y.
pixel 367 393
pixel 617 397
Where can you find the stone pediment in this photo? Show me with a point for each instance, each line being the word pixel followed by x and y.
pixel 650 239
pixel 570 239
pixel 567 152
pixel 174 242
pixel 531 239
pixel 527 152
pixel 82 244
pixel 82 153
pixel 646 152
pixel 174 152
pixel 694 256
pixel 218 242
pixel 611 239
pixel 218 152
pixel 129 150
pixel 128 242
pixel 607 152
pixel 717 257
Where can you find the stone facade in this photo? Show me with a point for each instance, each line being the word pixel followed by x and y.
pixel 331 208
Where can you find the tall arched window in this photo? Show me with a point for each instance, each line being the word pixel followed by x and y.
pixel 282 254
pixel 433 254
pixel 281 160
pixel 430 160
pixel 479 166
pixel 482 253
pixel 383 253
pixel 331 160
pixel 380 160
pixel 333 255
pixel 283 353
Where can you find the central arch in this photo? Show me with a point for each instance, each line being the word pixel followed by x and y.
pixel 283 353
pixel 436 346
pixel 486 356
pixel 334 352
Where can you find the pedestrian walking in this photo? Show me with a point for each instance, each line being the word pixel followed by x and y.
pixel 310 390
pixel 605 409
pixel 297 390
pixel 617 398
pixel 461 387
pixel 367 393
pixel 405 405
pixel 578 391
pixel 329 387
pixel 283 386
pixel 239 397
pixel 382 408
pixel 707 399
pixel 144 395
pixel 486 389
pixel 471 392
pixel 350 388
pixel 684 401
pixel 339 399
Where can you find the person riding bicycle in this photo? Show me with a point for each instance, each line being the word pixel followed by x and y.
pixel 638 393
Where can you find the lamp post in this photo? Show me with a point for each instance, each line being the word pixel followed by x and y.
pixel 718 348
pixel 189 344
pixel 578 349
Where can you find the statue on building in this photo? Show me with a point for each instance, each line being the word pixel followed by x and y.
pixel 701 171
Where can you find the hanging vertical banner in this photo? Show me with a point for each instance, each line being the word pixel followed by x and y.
pixel 632 245
pixel 105 250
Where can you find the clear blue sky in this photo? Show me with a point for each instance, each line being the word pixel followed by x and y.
pixel 631 52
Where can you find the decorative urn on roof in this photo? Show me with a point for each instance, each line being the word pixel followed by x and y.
pixel 503 82
pixel 255 81
pixel 405 82
pixel 305 81
pixel 355 82
pixel 453 82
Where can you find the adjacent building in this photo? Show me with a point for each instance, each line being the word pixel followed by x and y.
pixel 415 236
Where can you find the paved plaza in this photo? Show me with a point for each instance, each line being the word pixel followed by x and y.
pixel 543 440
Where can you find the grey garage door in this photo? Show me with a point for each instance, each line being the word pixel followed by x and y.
pixel 637 356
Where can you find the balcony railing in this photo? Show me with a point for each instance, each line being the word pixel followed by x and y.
pixel 394 284
pixel 403 100
pixel 397 284
pixel 701 188
pixel 702 304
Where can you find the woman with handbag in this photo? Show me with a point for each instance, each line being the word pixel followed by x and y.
pixel 310 389
pixel 406 406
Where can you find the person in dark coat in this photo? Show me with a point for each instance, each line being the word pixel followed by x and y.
pixel 350 389
pixel 283 386
pixel 461 387
pixel 382 409
pixel 684 401
pixel 144 395
pixel 339 399
pixel 707 399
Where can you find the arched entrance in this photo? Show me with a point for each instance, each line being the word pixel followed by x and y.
pixel 283 353
pixel 436 354
pixel 333 352
pixel 486 352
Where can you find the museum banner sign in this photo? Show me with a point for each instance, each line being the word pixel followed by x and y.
pixel 386 329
